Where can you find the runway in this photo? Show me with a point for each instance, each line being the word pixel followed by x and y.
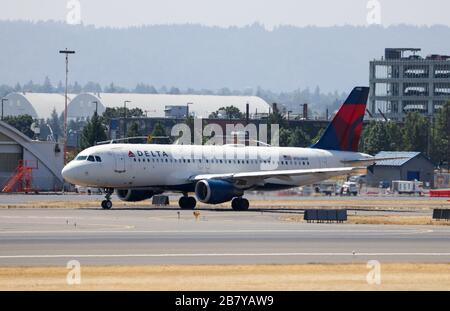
pixel 34 237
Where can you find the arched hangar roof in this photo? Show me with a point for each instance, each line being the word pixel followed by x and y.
pixel 38 105
pixel 155 104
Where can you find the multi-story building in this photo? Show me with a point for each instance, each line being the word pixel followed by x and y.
pixel 403 81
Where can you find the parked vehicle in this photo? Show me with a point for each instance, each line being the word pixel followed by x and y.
pixel 349 188
pixel 327 188
pixel 359 179
pixel 407 187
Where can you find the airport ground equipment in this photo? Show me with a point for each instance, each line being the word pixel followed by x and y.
pixel 160 200
pixel 441 214
pixel 325 215
pixel 22 178
pixel 444 193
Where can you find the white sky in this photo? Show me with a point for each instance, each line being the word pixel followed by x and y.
pixel 230 12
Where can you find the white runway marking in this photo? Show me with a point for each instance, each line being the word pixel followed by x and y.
pixel 219 255
pixel 377 232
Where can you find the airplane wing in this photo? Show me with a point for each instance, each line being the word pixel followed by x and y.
pixel 368 162
pixel 252 177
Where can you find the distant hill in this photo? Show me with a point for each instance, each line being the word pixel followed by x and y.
pixel 334 58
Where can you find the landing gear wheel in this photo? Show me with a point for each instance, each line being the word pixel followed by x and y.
pixel 106 204
pixel 240 204
pixel 187 202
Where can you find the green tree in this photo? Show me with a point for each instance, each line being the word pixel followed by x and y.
pixel 441 136
pixel 415 132
pixel 285 135
pixel 21 123
pixel 93 132
pixel 119 112
pixel 159 131
pixel 298 138
pixel 231 112
pixel 133 130
pixel 375 137
pixel 55 124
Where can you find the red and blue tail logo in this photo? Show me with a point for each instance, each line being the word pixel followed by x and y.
pixel 344 131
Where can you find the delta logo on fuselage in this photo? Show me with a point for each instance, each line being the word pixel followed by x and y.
pixel 148 154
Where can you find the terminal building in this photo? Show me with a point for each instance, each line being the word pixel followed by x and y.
pixel 403 81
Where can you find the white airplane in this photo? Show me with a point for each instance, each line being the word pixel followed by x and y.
pixel 138 171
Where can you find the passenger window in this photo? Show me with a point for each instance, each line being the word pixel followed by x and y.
pixel 91 158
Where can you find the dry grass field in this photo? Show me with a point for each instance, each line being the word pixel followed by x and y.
pixel 394 276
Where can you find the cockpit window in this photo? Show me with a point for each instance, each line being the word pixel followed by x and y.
pixel 98 159
pixel 81 158
pixel 91 158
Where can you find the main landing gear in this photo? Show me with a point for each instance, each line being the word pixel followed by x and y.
pixel 186 202
pixel 240 204
pixel 107 204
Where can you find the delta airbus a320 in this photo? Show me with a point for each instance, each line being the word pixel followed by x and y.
pixel 138 171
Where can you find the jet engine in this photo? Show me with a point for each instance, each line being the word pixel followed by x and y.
pixel 215 191
pixel 134 195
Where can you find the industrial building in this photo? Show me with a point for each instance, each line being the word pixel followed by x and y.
pixel 403 81
pixel 28 165
pixel 409 166
pixel 82 106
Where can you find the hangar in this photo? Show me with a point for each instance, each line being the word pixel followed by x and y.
pixel 37 105
pixel 22 158
pixel 411 166
pixel 82 106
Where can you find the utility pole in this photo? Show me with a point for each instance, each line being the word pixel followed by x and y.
pixel 66 52
pixel 187 110
pixel 125 118
pixel 3 100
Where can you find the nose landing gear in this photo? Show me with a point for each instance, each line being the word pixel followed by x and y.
pixel 107 204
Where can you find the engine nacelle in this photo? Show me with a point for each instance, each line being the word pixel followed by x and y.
pixel 215 191
pixel 129 195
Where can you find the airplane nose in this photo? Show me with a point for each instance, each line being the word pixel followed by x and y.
pixel 69 173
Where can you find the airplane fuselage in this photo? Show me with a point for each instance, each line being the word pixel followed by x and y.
pixel 170 167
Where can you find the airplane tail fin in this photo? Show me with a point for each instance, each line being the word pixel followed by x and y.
pixel 344 131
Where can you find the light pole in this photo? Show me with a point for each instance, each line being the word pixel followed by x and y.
pixel 96 106
pixel 125 118
pixel 3 100
pixel 66 52
pixel 187 110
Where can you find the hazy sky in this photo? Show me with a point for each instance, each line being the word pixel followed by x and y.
pixel 230 12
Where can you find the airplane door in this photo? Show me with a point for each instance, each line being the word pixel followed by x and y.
pixel 119 162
